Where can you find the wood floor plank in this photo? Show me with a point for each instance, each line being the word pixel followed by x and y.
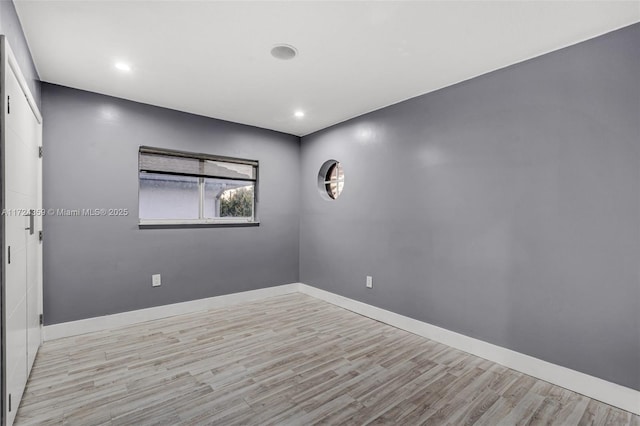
pixel 291 360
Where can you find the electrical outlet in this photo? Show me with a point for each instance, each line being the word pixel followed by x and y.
pixel 155 280
pixel 369 281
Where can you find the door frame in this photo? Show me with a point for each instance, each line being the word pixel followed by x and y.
pixel 8 63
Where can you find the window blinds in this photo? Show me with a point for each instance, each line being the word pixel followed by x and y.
pixel 178 163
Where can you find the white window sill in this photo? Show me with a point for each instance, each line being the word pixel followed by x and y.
pixel 196 223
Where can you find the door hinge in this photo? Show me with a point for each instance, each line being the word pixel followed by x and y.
pixel 39 152
pixel 40 236
pixel 8 104
pixel 9 254
pixel 9 402
pixel 41 319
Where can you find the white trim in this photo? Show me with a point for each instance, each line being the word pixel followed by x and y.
pixel 216 221
pixel 610 393
pixel 108 322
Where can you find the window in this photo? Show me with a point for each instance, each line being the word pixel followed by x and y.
pixel 179 188
pixel 331 179
pixel 334 181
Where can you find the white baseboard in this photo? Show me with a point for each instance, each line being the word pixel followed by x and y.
pixel 107 322
pixel 610 393
pixel 590 386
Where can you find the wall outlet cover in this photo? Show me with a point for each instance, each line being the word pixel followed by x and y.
pixel 156 280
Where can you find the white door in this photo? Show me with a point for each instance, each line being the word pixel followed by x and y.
pixel 23 258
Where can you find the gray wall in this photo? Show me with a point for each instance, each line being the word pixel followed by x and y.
pixel 506 208
pixel 10 26
pixel 102 265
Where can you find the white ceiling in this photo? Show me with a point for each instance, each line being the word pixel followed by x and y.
pixel 212 58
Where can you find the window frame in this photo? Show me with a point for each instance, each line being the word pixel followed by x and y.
pixel 338 181
pixel 202 221
pixel 325 181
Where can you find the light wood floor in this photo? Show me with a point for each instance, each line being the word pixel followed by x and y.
pixel 286 360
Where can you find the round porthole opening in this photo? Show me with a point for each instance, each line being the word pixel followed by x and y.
pixel 331 179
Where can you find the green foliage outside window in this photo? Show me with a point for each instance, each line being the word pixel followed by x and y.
pixel 237 202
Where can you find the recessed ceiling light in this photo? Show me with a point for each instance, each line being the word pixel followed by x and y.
pixel 284 51
pixel 122 66
pixel 299 114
